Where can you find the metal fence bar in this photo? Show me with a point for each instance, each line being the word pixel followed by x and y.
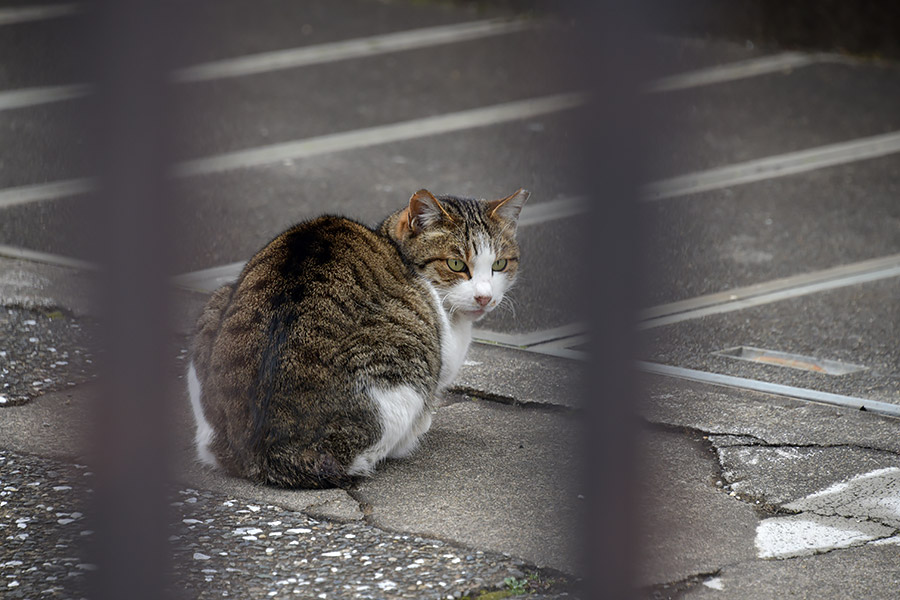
pixel 135 43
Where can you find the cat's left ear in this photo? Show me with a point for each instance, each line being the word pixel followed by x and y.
pixel 424 210
pixel 508 208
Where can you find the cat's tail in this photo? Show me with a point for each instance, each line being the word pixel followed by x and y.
pixel 290 467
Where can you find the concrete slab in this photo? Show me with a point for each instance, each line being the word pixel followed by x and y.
pixel 35 285
pixel 687 525
pixel 520 377
pixel 776 475
pixel 773 420
pixel 488 476
pixel 828 325
pixel 867 572
pixel 54 425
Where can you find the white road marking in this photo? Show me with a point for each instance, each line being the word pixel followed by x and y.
pixel 211 279
pixel 533 214
pixel 862 509
pixel 754 67
pixel 771 167
pixel 287 58
pixel 339 142
pixel 44 191
pixel 347 49
pixel 22 14
pixel 776 389
pixel 41 95
pixel 772 291
pixel 380 134
pixel 46 258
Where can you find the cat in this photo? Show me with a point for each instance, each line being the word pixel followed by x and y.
pixel 329 351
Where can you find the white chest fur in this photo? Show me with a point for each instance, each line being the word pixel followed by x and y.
pixel 454 345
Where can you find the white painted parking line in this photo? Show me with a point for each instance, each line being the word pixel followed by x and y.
pixel 851 402
pixel 41 95
pixel 772 167
pixel 44 191
pixel 46 258
pixel 754 67
pixel 381 134
pixel 772 291
pixel 208 280
pixel 347 49
pixel 21 14
pixel 534 214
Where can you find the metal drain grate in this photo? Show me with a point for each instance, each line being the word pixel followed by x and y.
pixel 791 361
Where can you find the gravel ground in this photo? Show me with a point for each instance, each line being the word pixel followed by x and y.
pixel 42 528
pixel 228 548
pixel 41 351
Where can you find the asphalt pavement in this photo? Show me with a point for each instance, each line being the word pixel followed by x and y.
pixel 771 222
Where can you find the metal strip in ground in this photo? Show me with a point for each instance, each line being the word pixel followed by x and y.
pixel 45 191
pixel 838 276
pixel 776 296
pixel 380 134
pixel 23 14
pixel 348 49
pixel 529 338
pixel 777 389
pixel 772 167
pixel 754 67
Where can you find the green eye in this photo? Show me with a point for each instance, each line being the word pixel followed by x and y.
pixel 499 264
pixel 456 265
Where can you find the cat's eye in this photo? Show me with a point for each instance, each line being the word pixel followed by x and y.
pixel 456 265
pixel 499 264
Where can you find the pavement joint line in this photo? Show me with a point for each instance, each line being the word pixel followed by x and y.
pixel 852 402
pixel 772 167
pixel 764 65
pixel 23 14
pixel 348 49
pixel 380 134
pixel 785 293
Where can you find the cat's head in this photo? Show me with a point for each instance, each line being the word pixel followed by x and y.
pixel 465 247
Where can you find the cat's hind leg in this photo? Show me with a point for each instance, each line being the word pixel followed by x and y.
pixel 408 443
pixel 205 432
pixel 401 411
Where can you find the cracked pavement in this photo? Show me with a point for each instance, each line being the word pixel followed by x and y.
pixel 744 487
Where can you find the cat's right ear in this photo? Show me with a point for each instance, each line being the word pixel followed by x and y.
pixel 423 211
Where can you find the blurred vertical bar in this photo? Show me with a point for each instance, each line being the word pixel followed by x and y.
pixel 610 61
pixel 134 45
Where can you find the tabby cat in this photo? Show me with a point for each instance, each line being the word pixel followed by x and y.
pixel 327 353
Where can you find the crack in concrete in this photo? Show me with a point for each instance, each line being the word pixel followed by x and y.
pixel 674 589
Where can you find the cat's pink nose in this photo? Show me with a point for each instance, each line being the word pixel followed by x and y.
pixel 482 300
